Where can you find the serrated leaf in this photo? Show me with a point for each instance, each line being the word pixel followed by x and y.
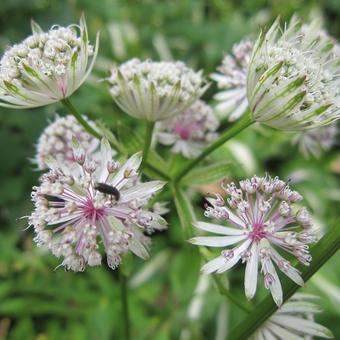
pixel 207 174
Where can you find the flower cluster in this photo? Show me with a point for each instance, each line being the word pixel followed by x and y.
pixel 46 67
pixel 261 218
pixel 190 131
pixel 294 320
pixel 72 209
pixel 313 142
pixel 231 79
pixel 155 90
pixel 56 141
pixel 293 78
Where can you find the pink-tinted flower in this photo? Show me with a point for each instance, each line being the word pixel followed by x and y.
pixel 313 142
pixel 56 141
pixel 262 222
pixel 231 78
pixel 189 132
pixel 78 220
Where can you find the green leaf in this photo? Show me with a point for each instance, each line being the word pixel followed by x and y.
pixel 207 174
pixel 184 210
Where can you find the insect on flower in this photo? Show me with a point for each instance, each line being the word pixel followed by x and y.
pixel 107 189
pixel 74 218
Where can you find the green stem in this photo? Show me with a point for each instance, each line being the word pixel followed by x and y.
pixel 321 252
pixel 240 125
pixel 147 142
pixel 125 305
pixel 66 102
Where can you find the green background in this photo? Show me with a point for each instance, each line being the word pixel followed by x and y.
pixel 38 302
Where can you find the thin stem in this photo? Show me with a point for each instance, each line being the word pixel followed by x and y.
pixel 321 252
pixel 147 142
pixel 233 131
pixel 125 305
pixel 66 102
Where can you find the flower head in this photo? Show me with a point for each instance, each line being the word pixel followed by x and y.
pixel 231 79
pixel 77 219
pixel 261 219
pixel 190 131
pixel 294 320
pixel 56 141
pixel 46 67
pixel 155 90
pixel 293 78
pixel 313 142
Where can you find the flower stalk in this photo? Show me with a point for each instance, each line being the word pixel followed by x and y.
pixel 125 305
pixel 321 253
pixel 69 106
pixel 147 141
pixel 240 125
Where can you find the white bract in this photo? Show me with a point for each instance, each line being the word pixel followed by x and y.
pixel 294 321
pixel 260 219
pixel 78 221
pixel 293 78
pixel 155 90
pixel 46 67
pixel 56 141
pixel 190 131
pixel 231 78
pixel 313 142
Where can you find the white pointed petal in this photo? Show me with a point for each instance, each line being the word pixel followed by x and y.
pixel 229 264
pixel 141 191
pixel 132 164
pixel 250 279
pixel 303 326
pixel 281 332
pixel 237 256
pixel 213 265
pixel 275 287
pixel 216 241
pixel 138 248
pixel 218 229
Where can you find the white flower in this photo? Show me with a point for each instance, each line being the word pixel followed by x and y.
pixel 190 131
pixel 261 218
pixel 231 79
pixel 56 141
pixel 77 219
pixel 293 78
pixel 313 142
pixel 155 90
pixel 294 320
pixel 46 67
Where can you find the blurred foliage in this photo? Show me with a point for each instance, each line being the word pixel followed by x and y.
pixel 38 302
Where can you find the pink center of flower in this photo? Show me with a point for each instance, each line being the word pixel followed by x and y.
pixel 91 212
pixel 185 131
pixel 258 232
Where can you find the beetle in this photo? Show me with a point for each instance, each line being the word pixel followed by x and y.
pixel 107 189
